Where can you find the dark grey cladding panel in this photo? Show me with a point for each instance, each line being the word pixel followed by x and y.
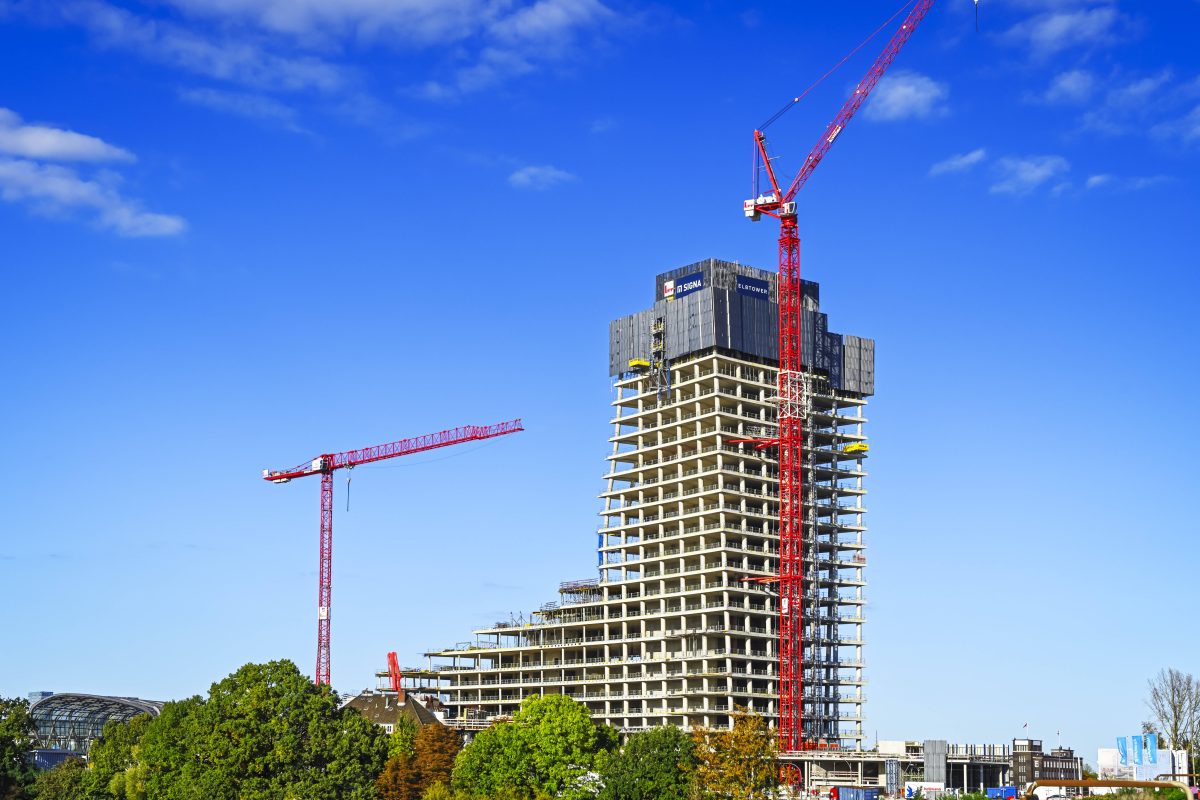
pixel 811 292
pixel 628 338
pixel 718 315
pixel 829 358
pixel 867 385
pixel 858 365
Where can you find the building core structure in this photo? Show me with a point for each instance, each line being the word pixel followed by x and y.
pixel 680 624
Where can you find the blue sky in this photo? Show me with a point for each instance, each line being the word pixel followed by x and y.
pixel 237 234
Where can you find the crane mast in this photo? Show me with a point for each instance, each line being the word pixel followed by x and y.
pixel 325 465
pixel 792 387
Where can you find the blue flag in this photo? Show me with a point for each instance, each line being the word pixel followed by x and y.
pixel 1151 748
pixel 1123 750
pixel 1136 741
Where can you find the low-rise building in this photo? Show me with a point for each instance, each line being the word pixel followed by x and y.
pixel 1030 763
pixel 896 763
pixel 386 708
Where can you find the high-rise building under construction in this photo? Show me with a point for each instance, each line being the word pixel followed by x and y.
pixel 679 626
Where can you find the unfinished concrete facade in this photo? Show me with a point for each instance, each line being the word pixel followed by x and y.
pixel 679 625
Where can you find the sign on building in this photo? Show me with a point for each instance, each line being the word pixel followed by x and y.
pixel 929 790
pixel 753 287
pixel 680 287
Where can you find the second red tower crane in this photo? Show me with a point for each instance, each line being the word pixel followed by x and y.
pixel 325 465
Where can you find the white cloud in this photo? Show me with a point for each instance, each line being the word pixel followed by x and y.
pixel 1136 94
pixel 494 40
pixel 412 20
pixel 240 61
pixel 1125 184
pixel 1072 87
pixel 51 188
pixel 539 178
pixel 55 144
pixel 548 20
pixel 242 104
pixel 1146 182
pixel 1055 31
pixel 494 65
pixel 1186 128
pixel 518 43
pixel 1130 106
pixel 418 22
pixel 306 45
pixel 1022 175
pixel 907 94
pixel 959 163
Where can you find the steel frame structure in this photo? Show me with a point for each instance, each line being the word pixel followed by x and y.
pixel 325 465
pixel 792 393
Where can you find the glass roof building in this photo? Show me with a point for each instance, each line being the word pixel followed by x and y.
pixel 72 722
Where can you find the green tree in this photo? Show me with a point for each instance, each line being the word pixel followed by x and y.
pixel 496 759
pixel 64 782
pixel 437 791
pixel 267 732
pixel 264 733
pixel 111 756
pixel 165 753
pixel 740 762
pixel 17 737
pixel 658 764
pixel 550 747
pixel 403 737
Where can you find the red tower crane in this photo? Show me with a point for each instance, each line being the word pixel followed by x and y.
pixel 792 388
pixel 324 465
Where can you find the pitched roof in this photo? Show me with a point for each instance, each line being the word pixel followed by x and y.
pixel 384 708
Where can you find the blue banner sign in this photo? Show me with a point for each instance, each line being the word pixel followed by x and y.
pixel 1151 748
pixel 1136 744
pixel 1123 750
pixel 683 286
pixel 753 287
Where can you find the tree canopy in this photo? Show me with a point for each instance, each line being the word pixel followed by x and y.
pixel 658 764
pixel 263 733
pixel 740 762
pixel 408 775
pixel 1174 702
pixel 63 782
pixel 17 737
pixel 550 747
